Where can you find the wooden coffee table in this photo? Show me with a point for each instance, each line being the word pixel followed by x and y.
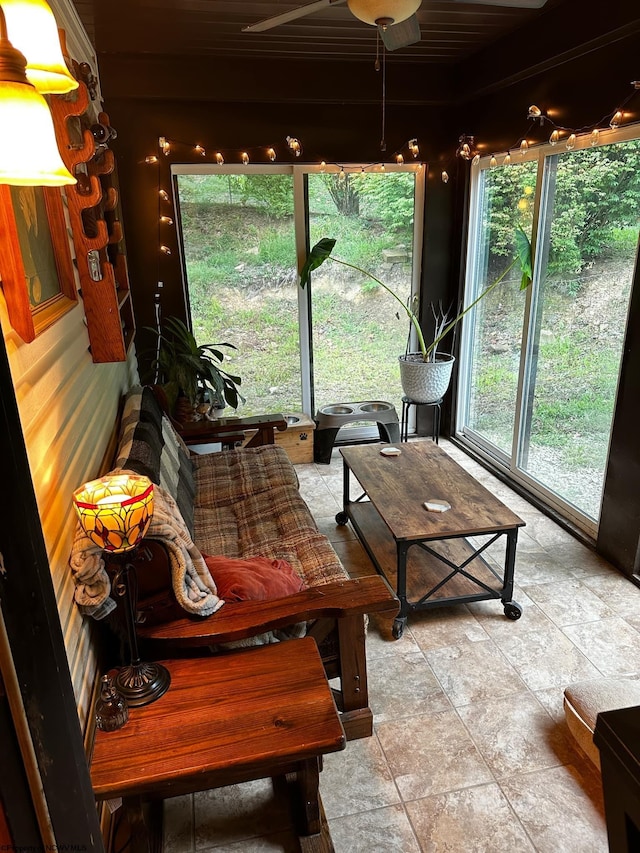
pixel 430 558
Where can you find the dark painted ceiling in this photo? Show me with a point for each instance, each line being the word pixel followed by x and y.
pixel 451 30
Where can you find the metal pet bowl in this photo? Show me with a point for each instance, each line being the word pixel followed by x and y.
pixel 376 407
pixel 337 410
pixel 291 419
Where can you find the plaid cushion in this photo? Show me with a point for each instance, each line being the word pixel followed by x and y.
pixel 149 446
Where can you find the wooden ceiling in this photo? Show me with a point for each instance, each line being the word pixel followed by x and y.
pixel 451 30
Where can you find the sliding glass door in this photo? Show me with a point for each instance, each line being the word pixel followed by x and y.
pixel 243 233
pixel 540 371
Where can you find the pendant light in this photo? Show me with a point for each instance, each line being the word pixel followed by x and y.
pixel 34 32
pixel 29 153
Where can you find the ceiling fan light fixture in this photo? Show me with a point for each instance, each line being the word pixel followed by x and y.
pixel 373 11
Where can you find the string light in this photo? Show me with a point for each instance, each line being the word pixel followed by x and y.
pixel 151 159
pixel 323 166
pixel 413 147
pixel 399 159
pixel 524 147
pixel 166 220
pixel 507 159
pixel 163 195
pixel 571 142
pixel 294 145
pixel 493 162
pixel 555 137
pixel 475 160
pixel 165 250
pixel 200 150
pixel 445 177
pixel 271 154
pixel 595 136
pixel 219 159
pixel 616 119
pixel 165 145
pixel 245 158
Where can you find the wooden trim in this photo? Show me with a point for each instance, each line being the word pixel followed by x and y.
pixel 25 319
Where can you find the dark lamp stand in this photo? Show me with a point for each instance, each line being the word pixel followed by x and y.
pixel 139 682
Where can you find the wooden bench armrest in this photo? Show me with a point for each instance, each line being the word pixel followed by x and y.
pixel 239 620
pixel 201 432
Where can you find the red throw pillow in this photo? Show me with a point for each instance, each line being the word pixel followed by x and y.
pixel 256 578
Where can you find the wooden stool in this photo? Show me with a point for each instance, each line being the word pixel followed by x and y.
pixel 230 718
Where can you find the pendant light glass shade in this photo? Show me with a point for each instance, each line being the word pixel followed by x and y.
pixel 33 31
pixel 115 511
pixel 29 153
pixel 393 11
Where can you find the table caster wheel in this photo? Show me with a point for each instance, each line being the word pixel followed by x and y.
pixel 398 628
pixel 342 518
pixel 512 610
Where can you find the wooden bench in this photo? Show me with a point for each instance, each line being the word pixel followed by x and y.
pixel 251 714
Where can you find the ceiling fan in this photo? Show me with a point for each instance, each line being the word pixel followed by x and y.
pixel 396 20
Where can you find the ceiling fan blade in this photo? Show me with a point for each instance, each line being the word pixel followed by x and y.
pixel 291 15
pixel 402 34
pixel 515 4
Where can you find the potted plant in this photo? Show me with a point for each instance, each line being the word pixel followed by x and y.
pixel 425 375
pixel 190 374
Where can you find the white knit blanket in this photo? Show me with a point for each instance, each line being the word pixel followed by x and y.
pixel 193 585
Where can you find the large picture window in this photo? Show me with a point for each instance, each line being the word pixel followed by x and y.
pixel 540 374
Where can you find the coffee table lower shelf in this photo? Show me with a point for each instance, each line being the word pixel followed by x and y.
pixel 438 572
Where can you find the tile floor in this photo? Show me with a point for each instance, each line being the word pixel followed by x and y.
pixel 470 750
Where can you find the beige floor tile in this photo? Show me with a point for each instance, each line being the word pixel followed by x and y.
pixel 472 672
pixel 568 602
pixel 546 658
pixel 357 779
pixel 561 809
pixel 611 644
pixel 380 641
pixel 431 754
pixel 474 820
pixel 404 686
pixel 239 812
pixel 445 626
pixel 379 831
pixel 178 825
pixel 516 735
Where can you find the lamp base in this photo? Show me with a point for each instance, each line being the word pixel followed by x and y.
pixel 142 683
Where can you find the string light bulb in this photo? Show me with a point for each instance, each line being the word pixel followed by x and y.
pixel 166 220
pixel 342 177
pixel 413 147
pixel 219 159
pixel 399 159
pixel 165 250
pixel 271 154
pixel 445 177
pixel 165 145
pixel 151 159
pixel 571 142
pixel 534 112
pixel 524 147
pixel 507 159
pixel 323 166
pixel 198 149
pixel 594 137
pixel 555 137
pixel 245 158
pixel 294 145
pixel 616 119
pixel 475 160
pixel 493 162
pixel 164 195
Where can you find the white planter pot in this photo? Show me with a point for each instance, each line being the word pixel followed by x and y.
pixel 425 381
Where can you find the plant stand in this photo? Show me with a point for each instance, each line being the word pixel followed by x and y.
pixel 407 402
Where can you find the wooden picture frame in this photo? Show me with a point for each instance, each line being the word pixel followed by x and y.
pixel 35 260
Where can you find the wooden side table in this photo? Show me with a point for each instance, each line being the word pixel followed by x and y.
pixel 230 718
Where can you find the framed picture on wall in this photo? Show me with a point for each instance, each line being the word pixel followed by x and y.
pixel 35 261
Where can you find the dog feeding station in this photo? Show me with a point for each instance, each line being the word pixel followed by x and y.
pixel 329 419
